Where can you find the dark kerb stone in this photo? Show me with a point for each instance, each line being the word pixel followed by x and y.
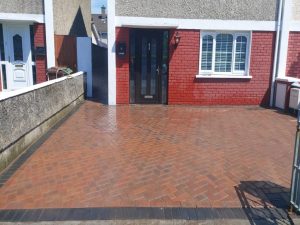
pixel 50 214
pixel 205 213
pixel 176 213
pixel 168 213
pixel 9 215
pixel 156 213
pixel 32 215
pixel 18 215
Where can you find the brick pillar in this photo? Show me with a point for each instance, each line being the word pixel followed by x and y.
pixel 41 61
pixel 122 36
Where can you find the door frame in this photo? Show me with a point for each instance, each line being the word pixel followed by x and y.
pixel 133 79
pixel 8 52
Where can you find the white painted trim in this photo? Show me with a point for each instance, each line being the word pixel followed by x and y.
pixel 199 24
pixel 39 18
pixel 8 46
pixel 49 22
pixel 9 94
pixel 223 76
pixel 111 48
pixel 284 38
pixel 295 26
pixel 250 53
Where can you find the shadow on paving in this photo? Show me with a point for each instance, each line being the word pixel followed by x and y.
pixel 100 74
pixel 264 202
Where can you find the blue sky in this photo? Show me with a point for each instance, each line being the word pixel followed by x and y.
pixel 96 5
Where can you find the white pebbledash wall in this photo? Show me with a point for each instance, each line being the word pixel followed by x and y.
pixel 296 12
pixel 28 113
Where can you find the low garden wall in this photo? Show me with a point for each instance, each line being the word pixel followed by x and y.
pixel 27 114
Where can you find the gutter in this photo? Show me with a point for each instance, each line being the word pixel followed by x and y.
pixel 275 63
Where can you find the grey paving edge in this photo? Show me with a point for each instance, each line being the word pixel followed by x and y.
pixel 140 213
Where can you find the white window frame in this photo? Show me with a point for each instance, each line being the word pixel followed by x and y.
pixel 234 73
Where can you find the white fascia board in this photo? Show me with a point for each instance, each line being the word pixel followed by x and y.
pixel 199 24
pixel 49 22
pixel 39 18
pixel 295 26
pixel 111 49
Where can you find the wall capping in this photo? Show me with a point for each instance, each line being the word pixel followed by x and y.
pixel 10 94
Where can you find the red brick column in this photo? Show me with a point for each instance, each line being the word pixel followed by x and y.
pixel 41 61
pixel 185 88
pixel 293 61
pixel 122 36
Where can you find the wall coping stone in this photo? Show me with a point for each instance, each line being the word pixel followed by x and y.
pixel 10 94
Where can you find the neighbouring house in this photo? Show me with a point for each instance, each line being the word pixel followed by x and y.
pixel 99 28
pixel 203 52
pixel 39 34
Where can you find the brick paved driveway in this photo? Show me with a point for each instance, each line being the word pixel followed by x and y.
pixel 158 156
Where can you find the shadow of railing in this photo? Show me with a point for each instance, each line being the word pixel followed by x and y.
pixel 264 202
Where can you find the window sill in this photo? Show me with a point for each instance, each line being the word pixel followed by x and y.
pixel 201 76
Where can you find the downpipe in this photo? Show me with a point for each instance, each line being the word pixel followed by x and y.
pixel 275 63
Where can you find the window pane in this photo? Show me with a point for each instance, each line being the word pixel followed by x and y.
pixel 18 48
pixel 144 66
pixel 207 52
pixel 153 66
pixel 4 76
pixel 34 74
pixel 240 53
pixel 223 61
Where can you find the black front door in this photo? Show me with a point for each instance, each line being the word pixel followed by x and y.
pixel 148 66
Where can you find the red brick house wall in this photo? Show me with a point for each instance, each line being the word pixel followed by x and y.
pixel 185 88
pixel 122 36
pixel 40 61
pixel 293 61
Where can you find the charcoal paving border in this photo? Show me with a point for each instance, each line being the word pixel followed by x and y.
pixel 140 213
